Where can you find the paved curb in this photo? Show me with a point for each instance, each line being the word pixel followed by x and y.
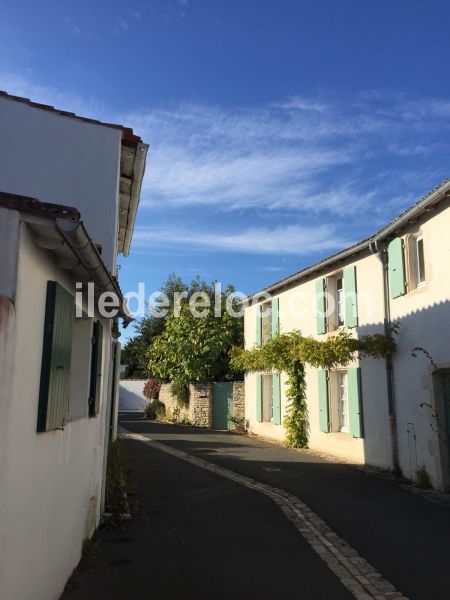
pixel 354 572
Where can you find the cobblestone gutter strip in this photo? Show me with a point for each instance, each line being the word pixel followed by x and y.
pixel 354 572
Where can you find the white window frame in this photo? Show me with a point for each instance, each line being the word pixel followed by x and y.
pixel 419 279
pixel 266 322
pixel 336 319
pixel 267 397
pixel 342 400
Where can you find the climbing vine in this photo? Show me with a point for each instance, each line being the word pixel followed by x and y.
pixel 290 352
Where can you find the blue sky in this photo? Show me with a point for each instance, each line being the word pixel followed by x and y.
pixel 279 131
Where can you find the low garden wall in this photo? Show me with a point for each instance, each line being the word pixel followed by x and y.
pixel 199 410
pixel 131 394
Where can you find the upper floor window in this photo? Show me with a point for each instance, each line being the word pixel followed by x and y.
pixel 335 301
pixel 266 322
pixel 416 261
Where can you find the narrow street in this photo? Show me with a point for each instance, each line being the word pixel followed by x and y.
pixel 199 534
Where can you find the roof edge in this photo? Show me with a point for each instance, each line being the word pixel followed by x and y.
pixel 383 235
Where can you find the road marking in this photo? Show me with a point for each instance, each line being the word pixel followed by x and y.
pixel 354 572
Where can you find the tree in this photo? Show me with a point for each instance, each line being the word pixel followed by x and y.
pixel 134 352
pixel 193 348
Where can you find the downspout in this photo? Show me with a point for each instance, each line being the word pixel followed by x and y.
pixel 382 255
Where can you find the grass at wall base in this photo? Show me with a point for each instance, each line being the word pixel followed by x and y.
pixel 290 352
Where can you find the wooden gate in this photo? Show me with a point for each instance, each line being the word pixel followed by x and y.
pixel 222 405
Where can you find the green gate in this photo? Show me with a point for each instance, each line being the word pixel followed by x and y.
pixel 222 405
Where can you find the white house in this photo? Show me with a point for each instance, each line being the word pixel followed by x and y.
pixel 392 413
pixel 70 188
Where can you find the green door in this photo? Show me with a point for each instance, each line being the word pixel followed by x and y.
pixel 222 404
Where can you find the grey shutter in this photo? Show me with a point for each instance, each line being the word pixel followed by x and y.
pixel 56 356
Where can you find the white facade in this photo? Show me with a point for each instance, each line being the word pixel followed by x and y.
pixel 37 160
pixel 51 482
pixel 414 431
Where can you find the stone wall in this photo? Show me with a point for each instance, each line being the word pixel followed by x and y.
pixel 199 411
pixel 238 399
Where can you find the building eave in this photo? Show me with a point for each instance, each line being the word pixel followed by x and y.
pixel 377 241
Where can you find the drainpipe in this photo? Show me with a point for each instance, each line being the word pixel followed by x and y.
pixel 382 255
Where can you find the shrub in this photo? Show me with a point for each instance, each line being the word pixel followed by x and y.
pixel 423 479
pixel 180 391
pixel 238 422
pixel 151 389
pixel 155 410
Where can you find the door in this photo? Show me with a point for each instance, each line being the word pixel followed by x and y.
pixel 222 405
pixel 446 393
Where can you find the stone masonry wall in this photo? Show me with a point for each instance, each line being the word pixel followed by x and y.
pixel 199 411
pixel 238 399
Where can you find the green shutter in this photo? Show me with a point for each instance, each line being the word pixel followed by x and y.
pixel 351 304
pixel 275 317
pixel 354 403
pixel 96 369
pixel 276 398
pixel 321 323
pixel 56 355
pixel 323 401
pixel 258 326
pixel 396 257
pixel 259 398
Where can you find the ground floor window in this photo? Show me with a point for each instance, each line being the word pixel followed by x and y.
pixel 267 397
pixel 343 401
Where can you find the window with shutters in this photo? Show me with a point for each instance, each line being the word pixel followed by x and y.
pixel 416 261
pixel 54 389
pixel 342 388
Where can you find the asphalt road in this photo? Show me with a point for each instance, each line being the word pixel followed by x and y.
pixel 199 535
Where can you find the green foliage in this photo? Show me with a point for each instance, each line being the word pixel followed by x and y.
pixel 116 502
pixel 289 352
pixel 134 352
pixel 238 422
pixel 423 479
pixel 193 348
pixel 180 390
pixel 155 410
pixel 296 420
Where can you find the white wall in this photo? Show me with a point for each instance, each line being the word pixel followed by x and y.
pixel 50 490
pixel 64 161
pixel 131 396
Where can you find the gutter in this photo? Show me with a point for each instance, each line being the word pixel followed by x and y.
pixel 138 175
pixel 76 236
pixel 383 235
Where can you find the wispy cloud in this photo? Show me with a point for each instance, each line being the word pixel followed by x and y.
pixel 301 155
pixel 310 173
pixel 292 239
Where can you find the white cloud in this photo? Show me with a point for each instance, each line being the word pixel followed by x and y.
pixel 291 239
